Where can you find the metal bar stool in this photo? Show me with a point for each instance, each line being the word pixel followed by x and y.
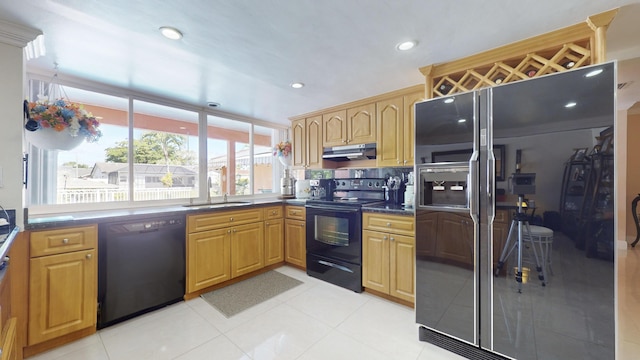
pixel 543 238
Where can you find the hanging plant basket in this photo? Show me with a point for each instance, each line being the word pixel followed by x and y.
pixel 50 139
pixel 59 125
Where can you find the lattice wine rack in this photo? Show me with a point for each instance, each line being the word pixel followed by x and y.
pixel 569 56
pixel 572 47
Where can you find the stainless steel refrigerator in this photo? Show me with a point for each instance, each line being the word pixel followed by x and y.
pixel 492 181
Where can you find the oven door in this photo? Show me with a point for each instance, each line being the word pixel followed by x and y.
pixel 334 232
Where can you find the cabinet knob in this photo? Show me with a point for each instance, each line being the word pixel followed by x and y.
pixel 231 219
pixel 344 141
pixel 88 256
pixel 398 161
pixel 65 241
pixel 234 230
pixel 384 237
pixel 388 224
pixel 301 225
pixel 228 231
pixel 267 223
pixel 393 239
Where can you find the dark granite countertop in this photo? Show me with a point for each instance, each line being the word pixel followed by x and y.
pixel 92 217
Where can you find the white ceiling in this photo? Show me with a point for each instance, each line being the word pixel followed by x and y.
pixel 245 53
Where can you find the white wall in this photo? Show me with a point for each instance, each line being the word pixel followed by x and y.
pixel 11 97
pixel 13 38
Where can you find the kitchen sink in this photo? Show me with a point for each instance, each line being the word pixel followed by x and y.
pixel 217 205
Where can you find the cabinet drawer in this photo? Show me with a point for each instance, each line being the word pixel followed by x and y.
pixel 502 216
pixel 397 224
pixel 273 212
pixel 295 212
pixel 58 241
pixel 220 220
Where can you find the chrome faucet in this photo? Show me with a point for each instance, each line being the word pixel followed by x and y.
pixel 209 190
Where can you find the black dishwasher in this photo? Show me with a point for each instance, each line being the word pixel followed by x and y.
pixel 141 266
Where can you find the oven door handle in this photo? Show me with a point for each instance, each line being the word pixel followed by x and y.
pixel 344 210
pixel 343 268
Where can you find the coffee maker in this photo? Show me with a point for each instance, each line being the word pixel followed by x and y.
pixel 322 189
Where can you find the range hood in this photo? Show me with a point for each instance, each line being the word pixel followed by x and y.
pixel 350 152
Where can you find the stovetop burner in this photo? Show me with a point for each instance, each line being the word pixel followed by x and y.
pixel 353 192
pixel 355 202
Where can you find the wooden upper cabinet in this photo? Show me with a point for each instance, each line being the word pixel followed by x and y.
pixel 409 102
pixel 334 128
pixel 396 118
pixel 307 142
pixel 314 142
pixel 361 124
pixel 390 132
pixel 298 129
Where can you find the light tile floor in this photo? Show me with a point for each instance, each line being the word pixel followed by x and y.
pixel 315 320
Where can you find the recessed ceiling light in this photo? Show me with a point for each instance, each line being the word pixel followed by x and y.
pixel 171 32
pixel 448 100
pixel 406 45
pixel 571 104
pixel 594 73
pixel 297 85
pixel 213 104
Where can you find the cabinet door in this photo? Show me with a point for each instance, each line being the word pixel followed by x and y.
pixel 500 232
pixel 314 142
pixel 334 128
pixel 375 260
pixel 208 255
pixel 298 130
pixel 62 294
pixel 273 241
pixel 409 121
pixel 427 230
pixel 8 342
pixel 247 249
pixel 402 254
pixel 455 238
pixel 295 251
pixel 390 132
pixel 361 124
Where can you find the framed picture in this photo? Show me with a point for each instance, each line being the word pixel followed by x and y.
pixel 464 155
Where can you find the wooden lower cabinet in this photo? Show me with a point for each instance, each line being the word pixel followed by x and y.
pixel 8 340
pixel 455 238
pixel 501 225
pixel 208 258
pixel 448 236
pixel 63 282
pixel 273 241
pixel 62 294
pixel 295 242
pixel 247 249
pixel 388 259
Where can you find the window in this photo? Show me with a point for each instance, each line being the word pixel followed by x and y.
pixel 164 142
pixel 240 159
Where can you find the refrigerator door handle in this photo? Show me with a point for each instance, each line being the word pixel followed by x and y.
pixel 473 186
pixel 491 210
